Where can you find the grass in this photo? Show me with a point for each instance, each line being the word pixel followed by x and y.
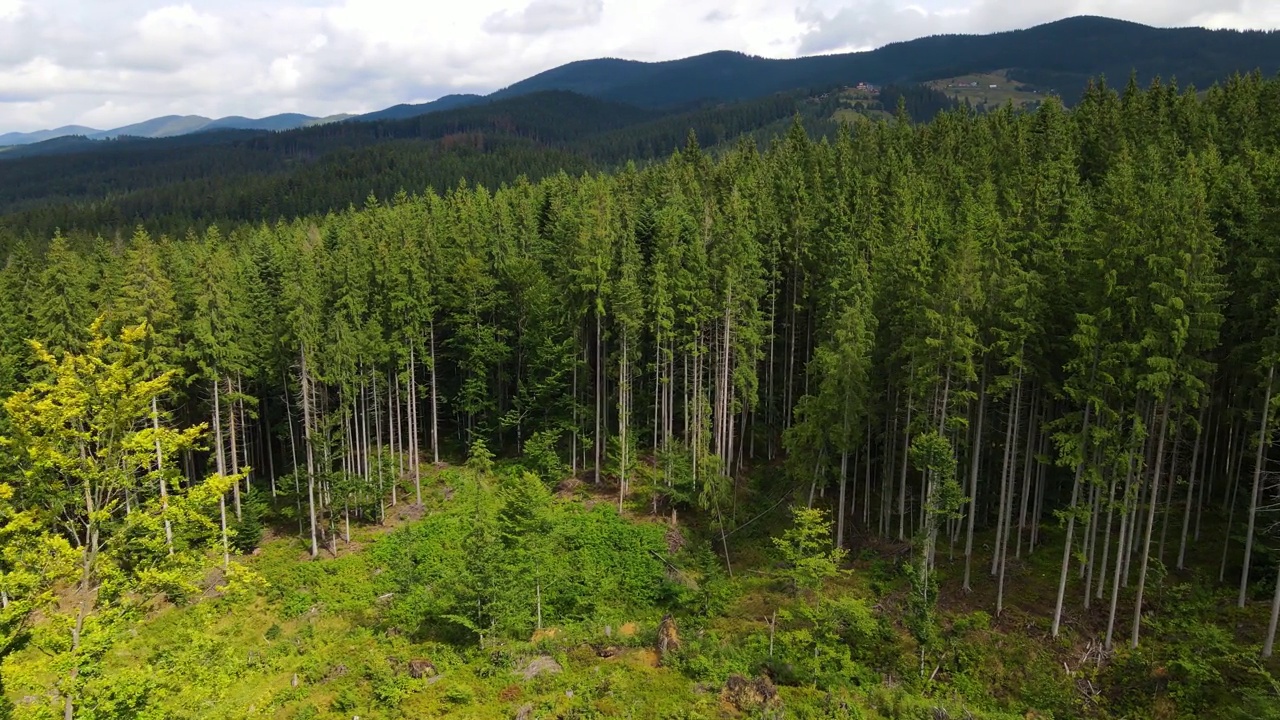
pixel 1006 90
pixel 315 644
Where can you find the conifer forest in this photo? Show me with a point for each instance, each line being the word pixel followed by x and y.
pixel 965 418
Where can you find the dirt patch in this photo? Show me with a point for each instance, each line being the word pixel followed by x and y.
pixel 668 637
pixel 421 668
pixel 627 630
pixel 541 665
pixel 748 694
pixel 649 657
pixel 544 634
pixel 568 488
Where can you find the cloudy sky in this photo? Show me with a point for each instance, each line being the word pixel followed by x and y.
pixel 105 63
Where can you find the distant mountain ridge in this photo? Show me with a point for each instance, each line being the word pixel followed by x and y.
pixel 1060 56
pixel 172 126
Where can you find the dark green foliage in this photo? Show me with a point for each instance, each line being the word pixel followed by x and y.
pixel 1059 55
pixel 248 528
pixel 478 568
pixel 904 330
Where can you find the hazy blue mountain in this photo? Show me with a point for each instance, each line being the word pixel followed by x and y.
pixel 20 138
pixel 172 126
pixel 284 121
pixel 328 119
pixel 166 126
pixel 1060 56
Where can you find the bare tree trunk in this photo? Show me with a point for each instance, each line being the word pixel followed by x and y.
pixel 902 486
pixel 866 481
pixel 1233 486
pixel 293 452
pixel 377 448
pixel 1071 523
pixel 599 440
pixel 435 395
pixel 393 434
pixel 1026 475
pixel 68 706
pixel 1120 544
pixel 1154 502
pixel 1009 440
pixel 235 461
pixel 1038 513
pixel 1091 542
pixel 844 479
pixel 1270 642
pixel 1006 510
pixel 164 487
pixel 222 471
pixel 412 404
pixel 244 437
pixel 1191 483
pixel 310 451
pixel 1168 495
pixel 623 417
pixel 573 436
pixel 1257 487
pixel 1106 536
pixel 1210 462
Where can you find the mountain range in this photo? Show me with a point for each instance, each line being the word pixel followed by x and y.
pixel 1060 56
pixel 171 126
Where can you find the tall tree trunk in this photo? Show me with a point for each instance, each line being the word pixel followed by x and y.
pixel 1191 483
pixel 1038 512
pixel 1071 522
pixel 1106 537
pixel 244 436
pixel 222 471
pixel 164 487
pixel 235 460
pixel 902 486
pixel 1120 545
pixel 1028 459
pixel 1006 511
pixel 293 451
pixel 377 448
pixel 844 481
pixel 310 451
pixel 1270 642
pixel 412 404
pixel 264 430
pixel 866 481
pixel 435 395
pixel 599 439
pixel 68 705
pixel 1009 440
pixel 1257 487
pixel 573 435
pixel 1091 543
pixel 1154 501
pixel 623 418
pixel 1211 463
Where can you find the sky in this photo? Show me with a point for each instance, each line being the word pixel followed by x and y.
pixel 107 63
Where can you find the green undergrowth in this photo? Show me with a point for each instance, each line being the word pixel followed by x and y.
pixel 451 613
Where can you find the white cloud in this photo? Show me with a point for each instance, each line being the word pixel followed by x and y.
pixel 10 10
pixel 834 25
pixel 109 64
pixel 543 16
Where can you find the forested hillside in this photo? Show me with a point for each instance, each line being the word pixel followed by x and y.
pixel 1059 56
pixel 231 176
pixel 968 418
